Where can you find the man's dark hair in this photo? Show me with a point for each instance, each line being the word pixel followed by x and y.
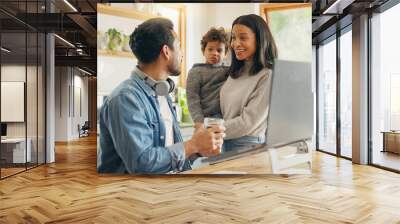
pixel 149 37
pixel 214 35
pixel 266 50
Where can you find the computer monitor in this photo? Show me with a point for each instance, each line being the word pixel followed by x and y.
pixel 291 110
pixel 3 130
pixel 291 113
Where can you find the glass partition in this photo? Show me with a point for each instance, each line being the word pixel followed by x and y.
pixel 13 105
pixel 31 99
pixel 22 89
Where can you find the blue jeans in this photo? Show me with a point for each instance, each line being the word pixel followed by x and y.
pixel 245 141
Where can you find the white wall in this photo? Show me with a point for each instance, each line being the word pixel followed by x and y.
pixel 16 73
pixel 84 82
pixel 67 114
pixel 196 25
pixel 226 13
pixel 113 70
pixel 79 117
pixel 13 72
pixel 33 126
pixel 61 103
pixel 201 17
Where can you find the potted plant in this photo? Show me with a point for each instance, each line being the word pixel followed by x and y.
pixel 115 40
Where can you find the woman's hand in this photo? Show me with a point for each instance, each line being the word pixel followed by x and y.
pixel 197 125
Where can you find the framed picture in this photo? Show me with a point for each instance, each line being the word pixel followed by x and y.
pixel 290 25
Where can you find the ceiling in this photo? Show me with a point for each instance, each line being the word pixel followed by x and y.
pixel 74 21
pixel 331 15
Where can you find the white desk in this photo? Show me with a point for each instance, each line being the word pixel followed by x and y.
pixel 286 161
pixel 17 147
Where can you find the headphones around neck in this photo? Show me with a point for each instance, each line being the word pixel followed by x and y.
pixel 162 88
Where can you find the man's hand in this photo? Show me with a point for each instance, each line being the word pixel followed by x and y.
pixel 207 142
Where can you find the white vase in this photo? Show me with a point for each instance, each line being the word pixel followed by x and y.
pixel 102 41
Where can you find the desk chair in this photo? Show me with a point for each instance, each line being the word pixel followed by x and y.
pixel 84 130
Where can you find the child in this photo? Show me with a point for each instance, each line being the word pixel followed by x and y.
pixel 245 94
pixel 205 79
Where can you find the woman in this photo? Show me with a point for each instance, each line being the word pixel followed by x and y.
pixel 244 97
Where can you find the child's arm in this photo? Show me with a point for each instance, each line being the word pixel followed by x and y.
pixel 193 86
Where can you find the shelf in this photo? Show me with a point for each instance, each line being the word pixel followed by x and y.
pixel 121 12
pixel 115 53
pixel 136 14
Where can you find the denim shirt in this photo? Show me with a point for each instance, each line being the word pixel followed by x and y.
pixel 132 132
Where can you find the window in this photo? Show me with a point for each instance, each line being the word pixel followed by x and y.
pixel 346 93
pixel 385 89
pixel 327 96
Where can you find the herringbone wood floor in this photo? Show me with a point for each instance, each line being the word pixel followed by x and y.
pixel 70 191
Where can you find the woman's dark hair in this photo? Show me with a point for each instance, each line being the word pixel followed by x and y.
pixel 214 35
pixel 266 50
pixel 149 37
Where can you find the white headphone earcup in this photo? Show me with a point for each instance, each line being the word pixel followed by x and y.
pixel 162 88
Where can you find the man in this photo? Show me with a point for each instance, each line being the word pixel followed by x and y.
pixel 139 132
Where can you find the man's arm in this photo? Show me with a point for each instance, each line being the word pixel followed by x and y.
pixel 133 135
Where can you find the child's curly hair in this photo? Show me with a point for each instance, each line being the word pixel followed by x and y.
pixel 215 35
